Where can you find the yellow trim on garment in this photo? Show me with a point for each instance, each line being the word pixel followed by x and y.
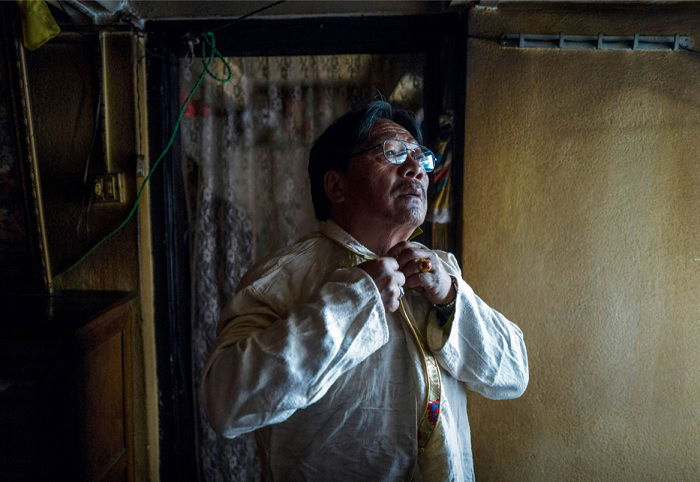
pixel 431 371
pixel 416 233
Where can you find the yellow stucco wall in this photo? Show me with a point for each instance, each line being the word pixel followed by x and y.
pixel 581 223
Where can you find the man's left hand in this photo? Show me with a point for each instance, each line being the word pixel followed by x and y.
pixel 413 259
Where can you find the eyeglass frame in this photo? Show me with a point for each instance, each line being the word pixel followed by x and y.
pixel 408 151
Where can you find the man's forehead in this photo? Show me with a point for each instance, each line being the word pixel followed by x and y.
pixel 385 128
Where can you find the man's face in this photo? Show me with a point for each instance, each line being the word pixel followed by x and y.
pixel 395 195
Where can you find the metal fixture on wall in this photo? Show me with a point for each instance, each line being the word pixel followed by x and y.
pixel 109 188
pixel 597 42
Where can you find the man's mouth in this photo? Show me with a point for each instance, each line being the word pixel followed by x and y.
pixel 411 191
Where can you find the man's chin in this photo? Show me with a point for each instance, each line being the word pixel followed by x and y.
pixel 414 217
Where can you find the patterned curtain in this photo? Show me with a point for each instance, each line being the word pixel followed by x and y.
pixel 245 150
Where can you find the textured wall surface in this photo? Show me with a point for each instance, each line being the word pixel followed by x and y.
pixel 581 223
pixel 63 95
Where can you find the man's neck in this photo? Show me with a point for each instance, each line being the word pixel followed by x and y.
pixel 377 237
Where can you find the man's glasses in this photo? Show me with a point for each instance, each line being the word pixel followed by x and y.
pixel 396 151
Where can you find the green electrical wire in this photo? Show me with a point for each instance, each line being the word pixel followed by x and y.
pixel 208 40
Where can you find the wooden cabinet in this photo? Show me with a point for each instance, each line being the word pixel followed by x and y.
pixel 66 386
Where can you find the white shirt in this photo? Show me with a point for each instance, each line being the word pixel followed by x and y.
pixel 334 385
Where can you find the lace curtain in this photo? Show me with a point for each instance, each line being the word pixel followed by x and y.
pixel 245 151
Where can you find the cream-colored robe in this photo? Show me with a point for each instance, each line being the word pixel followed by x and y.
pixel 334 385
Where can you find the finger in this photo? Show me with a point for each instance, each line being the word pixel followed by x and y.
pixel 405 257
pixel 391 302
pixel 420 264
pixel 427 281
pixel 411 267
pixel 388 295
pixel 397 248
pixel 411 255
pixel 399 278
pixel 389 264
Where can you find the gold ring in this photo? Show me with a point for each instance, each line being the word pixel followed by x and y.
pixel 424 265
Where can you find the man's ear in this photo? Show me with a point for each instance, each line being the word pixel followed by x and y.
pixel 334 184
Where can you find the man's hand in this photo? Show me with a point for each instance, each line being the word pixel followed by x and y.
pixel 389 280
pixel 435 283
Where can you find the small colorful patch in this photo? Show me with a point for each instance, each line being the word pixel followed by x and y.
pixel 433 411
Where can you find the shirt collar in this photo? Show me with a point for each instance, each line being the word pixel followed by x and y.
pixel 331 230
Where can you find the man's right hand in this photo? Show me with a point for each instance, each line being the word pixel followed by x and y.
pixel 389 280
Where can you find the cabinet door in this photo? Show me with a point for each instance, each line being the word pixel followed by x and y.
pixel 104 392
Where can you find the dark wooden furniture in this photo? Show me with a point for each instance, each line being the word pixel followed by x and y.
pixel 66 386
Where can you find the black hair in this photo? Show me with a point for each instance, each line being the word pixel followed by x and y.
pixel 332 150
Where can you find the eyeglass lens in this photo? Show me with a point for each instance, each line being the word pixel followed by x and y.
pixel 396 151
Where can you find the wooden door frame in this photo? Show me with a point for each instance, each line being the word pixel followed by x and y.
pixel 429 34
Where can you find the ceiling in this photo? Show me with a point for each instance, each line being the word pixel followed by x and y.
pixel 102 12
pixel 137 12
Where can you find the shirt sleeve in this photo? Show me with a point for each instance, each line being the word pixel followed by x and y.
pixel 478 345
pixel 266 365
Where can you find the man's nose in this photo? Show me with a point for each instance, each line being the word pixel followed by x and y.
pixel 412 168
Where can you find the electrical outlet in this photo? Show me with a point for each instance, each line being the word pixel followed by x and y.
pixel 109 188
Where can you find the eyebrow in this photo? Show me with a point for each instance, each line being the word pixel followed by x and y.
pixel 393 135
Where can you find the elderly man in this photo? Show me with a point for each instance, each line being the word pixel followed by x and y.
pixel 350 353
